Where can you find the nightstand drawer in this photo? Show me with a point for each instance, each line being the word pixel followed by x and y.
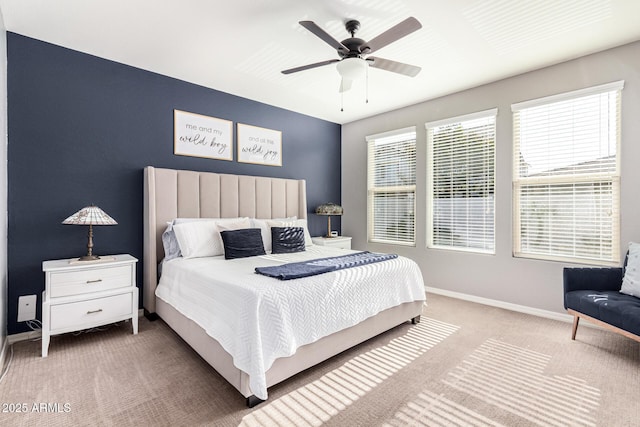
pixel 90 312
pixel 65 283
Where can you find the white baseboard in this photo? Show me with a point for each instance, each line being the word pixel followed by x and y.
pixel 3 353
pixel 502 304
pixel 24 336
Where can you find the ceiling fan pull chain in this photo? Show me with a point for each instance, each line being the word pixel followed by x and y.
pixel 367 84
pixel 341 100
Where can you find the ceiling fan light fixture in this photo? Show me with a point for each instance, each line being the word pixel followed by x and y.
pixel 352 68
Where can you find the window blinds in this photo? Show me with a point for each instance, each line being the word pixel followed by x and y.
pixel 391 166
pixel 566 184
pixel 461 181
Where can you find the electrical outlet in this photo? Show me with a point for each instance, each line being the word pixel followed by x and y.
pixel 26 308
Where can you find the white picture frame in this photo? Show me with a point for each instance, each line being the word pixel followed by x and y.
pixel 259 145
pixel 197 135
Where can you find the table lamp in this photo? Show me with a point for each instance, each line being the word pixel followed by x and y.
pixel 329 209
pixel 90 215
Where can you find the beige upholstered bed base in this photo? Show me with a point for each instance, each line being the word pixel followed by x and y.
pixel 283 368
pixel 170 194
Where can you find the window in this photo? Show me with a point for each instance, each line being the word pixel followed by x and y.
pixel 461 182
pixel 391 201
pixel 566 176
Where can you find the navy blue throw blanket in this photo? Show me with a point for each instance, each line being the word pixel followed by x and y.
pixel 296 270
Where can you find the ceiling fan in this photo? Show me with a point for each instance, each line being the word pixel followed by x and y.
pixel 353 52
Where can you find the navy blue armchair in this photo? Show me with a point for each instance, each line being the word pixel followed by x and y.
pixel 594 294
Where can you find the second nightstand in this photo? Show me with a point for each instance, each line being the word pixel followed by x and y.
pixel 82 295
pixel 342 242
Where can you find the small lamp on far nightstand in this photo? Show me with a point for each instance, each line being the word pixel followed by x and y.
pixel 329 209
pixel 90 215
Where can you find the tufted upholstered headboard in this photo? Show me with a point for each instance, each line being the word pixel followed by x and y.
pixel 171 193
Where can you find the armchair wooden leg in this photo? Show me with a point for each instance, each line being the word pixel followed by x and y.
pixel 576 319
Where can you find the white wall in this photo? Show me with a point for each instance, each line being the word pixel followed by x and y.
pixel 3 186
pixel 531 283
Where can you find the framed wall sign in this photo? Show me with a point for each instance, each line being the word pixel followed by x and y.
pixel 259 145
pixel 202 136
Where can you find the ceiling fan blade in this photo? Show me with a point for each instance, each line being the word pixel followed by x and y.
pixel 394 33
pixel 393 66
pixel 309 66
pixel 345 85
pixel 311 26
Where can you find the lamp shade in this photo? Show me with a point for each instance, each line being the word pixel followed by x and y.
pixel 329 209
pixel 90 215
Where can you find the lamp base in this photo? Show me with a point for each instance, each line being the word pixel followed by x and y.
pixel 89 258
pixel 94 260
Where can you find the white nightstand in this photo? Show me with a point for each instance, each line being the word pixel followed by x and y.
pixel 81 295
pixel 342 242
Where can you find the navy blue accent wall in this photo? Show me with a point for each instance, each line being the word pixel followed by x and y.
pixel 82 128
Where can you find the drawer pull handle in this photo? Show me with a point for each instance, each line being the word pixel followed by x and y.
pixel 94 311
pixel 94 281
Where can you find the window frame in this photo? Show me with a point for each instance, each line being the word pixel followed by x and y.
pixel 429 126
pixel 559 180
pixel 372 190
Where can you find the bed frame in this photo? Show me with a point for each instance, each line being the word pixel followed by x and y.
pixel 170 194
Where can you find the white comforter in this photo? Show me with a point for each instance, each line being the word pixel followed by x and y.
pixel 258 319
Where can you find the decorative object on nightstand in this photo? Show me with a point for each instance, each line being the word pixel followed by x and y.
pixel 85 295
pixel 90 215
pixel 329 209
pixel 342 242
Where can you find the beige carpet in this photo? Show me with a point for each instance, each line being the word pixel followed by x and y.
pixel 464 365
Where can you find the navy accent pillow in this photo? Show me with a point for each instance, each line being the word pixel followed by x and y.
pixel 242 243
pixel 285 240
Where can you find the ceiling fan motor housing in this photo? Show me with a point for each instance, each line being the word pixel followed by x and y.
pixel 355 45
pixel 356 48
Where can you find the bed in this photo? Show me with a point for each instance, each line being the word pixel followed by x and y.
pixel 170 194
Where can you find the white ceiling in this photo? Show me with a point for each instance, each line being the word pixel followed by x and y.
pixel 240 46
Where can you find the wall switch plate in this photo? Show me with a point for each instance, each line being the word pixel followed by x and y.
pixel 26 308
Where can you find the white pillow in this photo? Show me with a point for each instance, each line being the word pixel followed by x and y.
pixel 202 238
pixel 196 239
pixel 169 241
pixel 307 236
pixel 631 280
pixel 265 231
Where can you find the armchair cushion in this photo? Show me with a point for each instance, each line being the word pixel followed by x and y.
pixel 612 307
